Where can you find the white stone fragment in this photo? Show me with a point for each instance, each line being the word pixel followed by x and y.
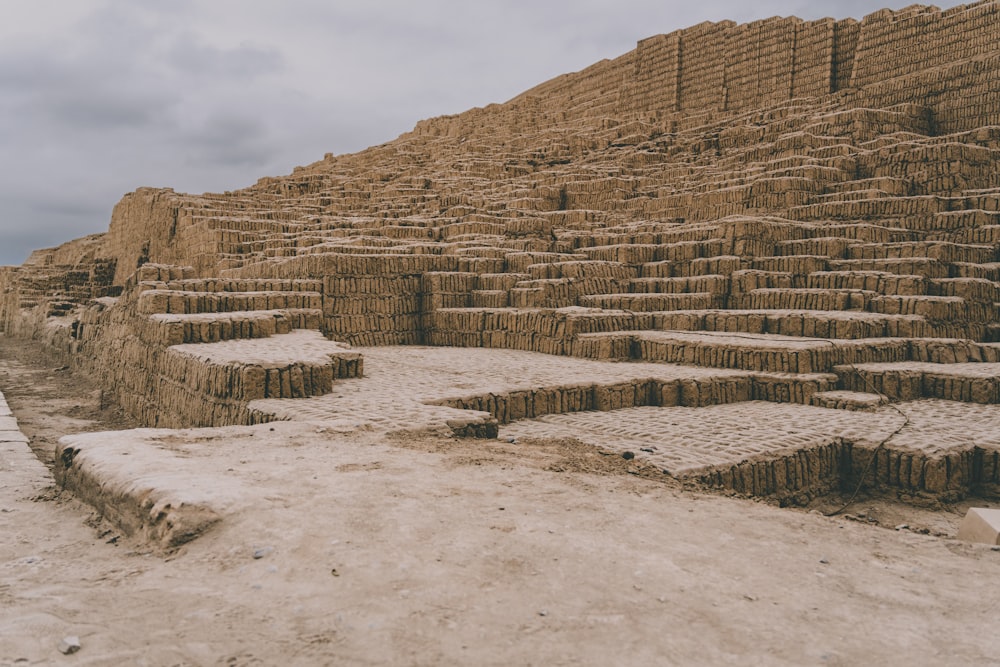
pixel 981 525
pixel 69 645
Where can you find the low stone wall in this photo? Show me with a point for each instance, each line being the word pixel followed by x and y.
pixel 842 466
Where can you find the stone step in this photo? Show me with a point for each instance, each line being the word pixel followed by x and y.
pixel 21 471
pixel 702 388
pixel 583 269
pixel 834 247
pixel 646 303
pixel 909 266
pixel 157 301
pixel 912 380
pixel 794 264
pixel 953 351
pixel 562 292
pixel 293 365
pixel 490 298
pixel 848 400
pixel 873 281
pixel 206 384
pixel 989 271
pixel 981 525
pixel 837 324
pixel 244 285
pixel 168 329
pixel 805 299
pixel 750 279
pixel 941 251
pixel 894 186
pixel 970 289
pixel 949 308
pixel 712 284
pixel 764 352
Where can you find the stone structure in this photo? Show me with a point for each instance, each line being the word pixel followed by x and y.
pixel 807 211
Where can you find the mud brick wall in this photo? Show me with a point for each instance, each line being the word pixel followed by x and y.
pixel 913 54
pixel 812 74
pixel 796 477
pixel 139 375
pixel 208 233
pixel 759 63
pixel 944 477
pixel 844 464
pixel 733 67
pixel 696 391
pixel 174 330
pixel 845 45
pixel 367 299
pixel 654 84
pixel 143 225
pixel 739 353
pixel 10 299
pixel 595 91
pixel 916 381
pixel 186 386
pixel 244 382
pixel 728 66
pixel 176 301
pixel 896 44
pixel 373 309
pixel 160 273
pixel 703 66
pixel 551 331
pixel 209 243
pixel 56 280
pixel 971 99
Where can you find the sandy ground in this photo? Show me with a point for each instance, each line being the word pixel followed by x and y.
pixel 360 549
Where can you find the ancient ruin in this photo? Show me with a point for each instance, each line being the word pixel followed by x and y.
pixel 773 249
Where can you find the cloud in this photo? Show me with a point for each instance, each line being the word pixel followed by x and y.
pixel 31 220
pixel 101 107
pixel 229 140
pixel 100 97
pixel 66 92
pixel 192 57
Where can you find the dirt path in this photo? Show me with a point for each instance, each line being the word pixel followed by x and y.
pixel 49 400
pixel 350 548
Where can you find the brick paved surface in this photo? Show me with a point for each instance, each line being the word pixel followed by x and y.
pixel 402 385
pixel 687 440
pixel 300 346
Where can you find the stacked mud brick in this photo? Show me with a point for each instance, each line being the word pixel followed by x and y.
pixel 813 197
pixel 51 283
pixel 178 351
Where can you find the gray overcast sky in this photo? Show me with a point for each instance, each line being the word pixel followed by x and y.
pixel 99 97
